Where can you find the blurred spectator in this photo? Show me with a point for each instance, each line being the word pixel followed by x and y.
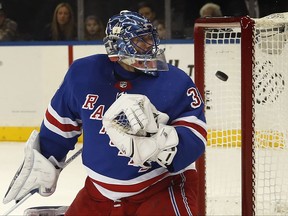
pixel 62 27
pixel 94 28
pixel 161 29
pixel 146 10
pixel 8 27
pixel 210 10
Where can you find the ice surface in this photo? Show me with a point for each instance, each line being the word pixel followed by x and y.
pixel 70 181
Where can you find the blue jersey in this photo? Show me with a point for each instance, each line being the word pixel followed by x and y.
pixel 89 88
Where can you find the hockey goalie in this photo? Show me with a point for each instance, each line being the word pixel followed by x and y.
pixel 143 129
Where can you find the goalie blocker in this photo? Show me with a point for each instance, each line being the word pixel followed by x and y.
pixel 37 173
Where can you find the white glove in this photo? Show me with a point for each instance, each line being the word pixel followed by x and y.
pixel 147 138
pixel 36 172
pixel 160 147
pixel 134 114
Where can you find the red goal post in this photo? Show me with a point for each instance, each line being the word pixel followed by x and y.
pixel 243 171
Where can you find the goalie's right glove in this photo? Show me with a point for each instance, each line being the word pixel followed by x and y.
pixel 37 173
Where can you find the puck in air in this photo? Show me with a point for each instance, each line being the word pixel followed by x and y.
pixel 221 75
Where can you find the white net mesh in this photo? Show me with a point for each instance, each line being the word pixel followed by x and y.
pixel 223 112
pixel 271 127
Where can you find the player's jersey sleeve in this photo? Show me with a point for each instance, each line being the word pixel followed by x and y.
pixel 61 125
pixel 190 123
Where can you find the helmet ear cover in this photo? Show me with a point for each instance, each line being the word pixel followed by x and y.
pixel 120 31
pixel 111 46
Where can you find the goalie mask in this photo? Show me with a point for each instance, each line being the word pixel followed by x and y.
pixel 132 39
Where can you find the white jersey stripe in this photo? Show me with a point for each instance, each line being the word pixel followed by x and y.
pixel 56 130
pixel 173 201
pixel 193 120
pixel 184 195
pixel 62 120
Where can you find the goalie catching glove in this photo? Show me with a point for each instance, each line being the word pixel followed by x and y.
pixel 139 131
pixel 37 173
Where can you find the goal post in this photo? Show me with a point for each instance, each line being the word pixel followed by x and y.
pixel 243 171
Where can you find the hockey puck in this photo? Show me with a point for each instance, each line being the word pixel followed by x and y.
pixel 221 75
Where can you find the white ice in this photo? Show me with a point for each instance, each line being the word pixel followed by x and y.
pixel 70 181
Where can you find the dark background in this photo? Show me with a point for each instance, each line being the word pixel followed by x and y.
pixel 33 15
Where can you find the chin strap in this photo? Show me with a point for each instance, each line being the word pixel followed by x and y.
pixel 149 73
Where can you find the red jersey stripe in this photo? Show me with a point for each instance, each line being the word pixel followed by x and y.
pixel 62 127
pixel 196 127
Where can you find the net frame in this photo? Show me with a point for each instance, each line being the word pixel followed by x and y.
pixel 247 26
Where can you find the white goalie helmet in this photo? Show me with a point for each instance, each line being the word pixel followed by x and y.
pixel 125 33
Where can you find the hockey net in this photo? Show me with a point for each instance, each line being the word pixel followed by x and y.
pixel 245 166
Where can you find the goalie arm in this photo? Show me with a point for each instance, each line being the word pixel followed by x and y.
pixel 191 146
pixel 190 124
pixel 186 135
pixel 62 124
